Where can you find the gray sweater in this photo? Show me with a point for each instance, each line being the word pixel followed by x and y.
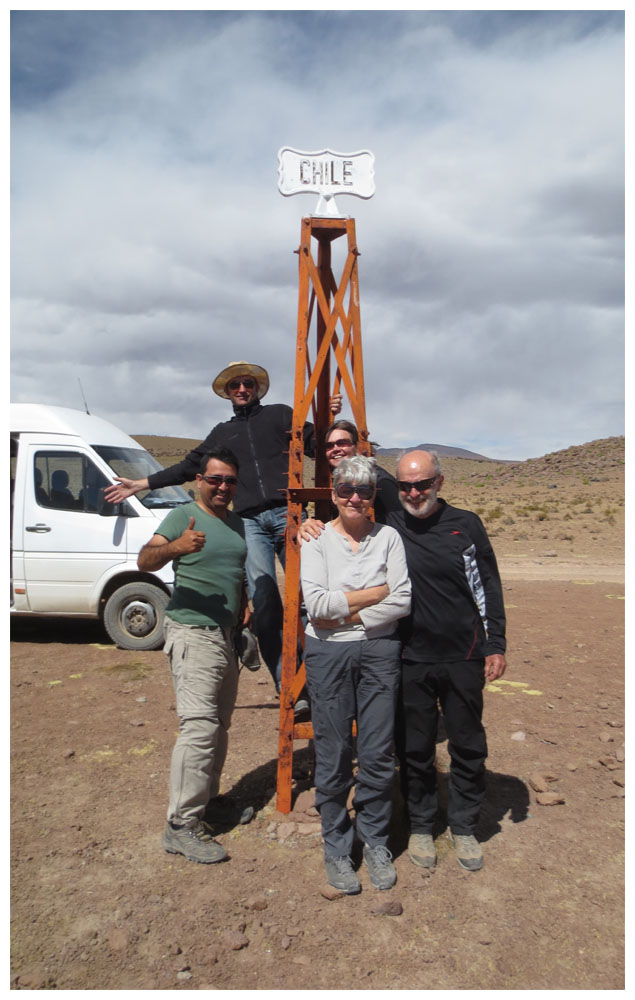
pixel 330 568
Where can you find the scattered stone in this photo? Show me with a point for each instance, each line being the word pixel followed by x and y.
pixel 302 960
pixel 615 724
pixel 256 903
pixel 609 762
pixel 309 828
pixel 118 940
pixel 32 978
pixel 607 738
pixel 235 940
pixel 519 736
pixel 539 783
pixel 69 753
pixel 550 555
pixel 484 938
pixel 388 908
pixel 603 704
pixel 184 974
pixel 549 799
pixel 286 830
pixel 175 949
pixel 549 705
pixel 329 892
pixel 305 801
pixel 294 931
pixel 285 942
pixel 136 722
pixel 619 782
pixel 619 754
pixel 572 767
pixel 142 699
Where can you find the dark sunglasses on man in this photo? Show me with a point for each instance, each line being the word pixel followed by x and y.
pixel 218 480
pixel 420 486
pixel 247 383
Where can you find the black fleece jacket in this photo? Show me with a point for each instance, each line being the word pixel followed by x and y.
pixel 457 598
pixel 259 437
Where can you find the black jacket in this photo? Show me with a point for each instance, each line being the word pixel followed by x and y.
pixel 457 598
pixel 259 437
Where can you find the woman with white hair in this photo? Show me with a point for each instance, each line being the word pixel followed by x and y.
pixel 355 586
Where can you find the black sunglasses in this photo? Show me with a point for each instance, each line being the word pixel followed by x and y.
pixel 346 490
pixel 218 480
pixel 420 486
pixel 248 383
pixel 340 443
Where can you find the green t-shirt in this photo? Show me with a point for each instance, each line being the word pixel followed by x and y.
pixel 208 584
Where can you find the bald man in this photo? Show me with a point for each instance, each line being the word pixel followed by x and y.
pixel 453 641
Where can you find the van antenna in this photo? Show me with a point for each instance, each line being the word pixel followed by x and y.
pixel 83 396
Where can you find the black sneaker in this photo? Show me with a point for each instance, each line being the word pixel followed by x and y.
pixel 340 874
pixel 194 842
pixel 380 867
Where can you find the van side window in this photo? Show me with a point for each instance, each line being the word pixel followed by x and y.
pixel 68 480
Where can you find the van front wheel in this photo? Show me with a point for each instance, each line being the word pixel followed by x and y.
pixel 133 616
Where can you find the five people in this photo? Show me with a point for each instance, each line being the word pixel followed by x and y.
pixel 405 613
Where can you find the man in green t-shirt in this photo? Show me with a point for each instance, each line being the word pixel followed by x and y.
pixel 206 541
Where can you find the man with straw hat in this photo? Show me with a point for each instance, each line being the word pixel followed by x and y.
pixel 259 437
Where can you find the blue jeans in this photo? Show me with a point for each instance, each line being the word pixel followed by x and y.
pixel 265 537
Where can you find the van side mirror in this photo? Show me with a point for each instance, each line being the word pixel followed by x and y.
pixel 120 509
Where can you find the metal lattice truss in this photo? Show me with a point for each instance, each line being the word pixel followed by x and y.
pixel 328 313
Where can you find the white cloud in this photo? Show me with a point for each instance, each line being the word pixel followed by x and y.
pixel 150 246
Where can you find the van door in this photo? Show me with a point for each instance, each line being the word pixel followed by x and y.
pixel 68 545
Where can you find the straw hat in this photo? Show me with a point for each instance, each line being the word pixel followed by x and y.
pixel 219 385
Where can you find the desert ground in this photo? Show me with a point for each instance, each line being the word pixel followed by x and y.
pixel 97 904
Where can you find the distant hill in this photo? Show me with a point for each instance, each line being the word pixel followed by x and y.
pixel 593 460
pixel 443 450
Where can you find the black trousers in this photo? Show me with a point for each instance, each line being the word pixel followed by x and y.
pixel 458 688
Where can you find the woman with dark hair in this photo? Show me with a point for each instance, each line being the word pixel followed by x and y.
pixel 355 586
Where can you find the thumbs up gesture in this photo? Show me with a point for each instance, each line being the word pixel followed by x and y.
pixel 191 540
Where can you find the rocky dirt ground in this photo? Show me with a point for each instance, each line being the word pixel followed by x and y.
pixel 97 904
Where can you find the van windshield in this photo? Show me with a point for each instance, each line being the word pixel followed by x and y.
pixel 136 463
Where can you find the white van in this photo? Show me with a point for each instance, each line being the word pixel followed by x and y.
pixel 72 553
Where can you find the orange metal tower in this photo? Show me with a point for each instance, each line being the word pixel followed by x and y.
pixel 331 309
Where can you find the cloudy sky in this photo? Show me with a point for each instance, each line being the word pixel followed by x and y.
pixel 150 244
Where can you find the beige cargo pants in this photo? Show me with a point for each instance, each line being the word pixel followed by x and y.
pixel 205 677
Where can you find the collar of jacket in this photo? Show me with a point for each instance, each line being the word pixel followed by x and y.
pixel 244 412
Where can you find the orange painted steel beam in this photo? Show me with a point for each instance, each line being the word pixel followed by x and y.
pixel 329 339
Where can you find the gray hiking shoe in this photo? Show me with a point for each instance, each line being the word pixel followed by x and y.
pixel 194 842
pixel 380 867
pixel 421 850
pixel 340 874
pixel 468 851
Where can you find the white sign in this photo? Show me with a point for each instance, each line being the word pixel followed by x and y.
pixel 326 173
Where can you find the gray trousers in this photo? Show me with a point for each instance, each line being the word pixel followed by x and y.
pixel 205 677
pixel 353 680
